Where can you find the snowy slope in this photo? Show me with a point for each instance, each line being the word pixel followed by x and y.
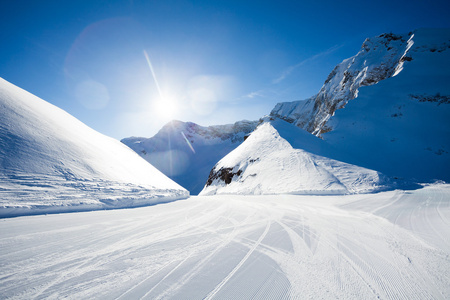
pixel 388 245
pixel 50 161
pixel 266 163
pixel 186 152
pixel 399 126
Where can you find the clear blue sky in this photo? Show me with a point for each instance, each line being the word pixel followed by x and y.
pixel 210 62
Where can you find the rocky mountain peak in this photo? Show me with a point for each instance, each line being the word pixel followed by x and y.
pixel 380 57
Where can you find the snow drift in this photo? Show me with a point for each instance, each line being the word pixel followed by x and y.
pixel 52 162
pixel 266 163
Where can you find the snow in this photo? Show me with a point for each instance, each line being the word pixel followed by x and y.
pixel 388 245
pixel 51 162
pixel 186 152
pixel 266 163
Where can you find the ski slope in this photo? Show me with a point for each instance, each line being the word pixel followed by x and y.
pixel 389 245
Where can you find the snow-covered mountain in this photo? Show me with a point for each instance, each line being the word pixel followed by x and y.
pixel 50 161
pixel 186 152
pixel 379 58
pixel 399 122
pixel 266 163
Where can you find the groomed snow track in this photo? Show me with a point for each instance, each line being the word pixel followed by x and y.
pixel 390 245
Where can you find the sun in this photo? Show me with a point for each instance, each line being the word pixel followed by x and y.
pixel 166 108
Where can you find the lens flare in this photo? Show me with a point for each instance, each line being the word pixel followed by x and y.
pixel 92 94
pixel 187 142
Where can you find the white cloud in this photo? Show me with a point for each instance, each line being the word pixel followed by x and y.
pixel 255 94
pixel 290 69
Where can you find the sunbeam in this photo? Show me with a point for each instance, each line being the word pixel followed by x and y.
pixel 153 73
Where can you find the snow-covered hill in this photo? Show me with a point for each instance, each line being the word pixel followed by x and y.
pixel 51 162
pixel 399 125
pixel 186 152
pixel 266 163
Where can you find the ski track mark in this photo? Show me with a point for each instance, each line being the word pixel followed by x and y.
pixel 239 265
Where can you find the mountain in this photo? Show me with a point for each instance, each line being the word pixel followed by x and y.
pixel 52 162
pixel 387 108
pixel 266 163
pixel 186 152
pixel 380 57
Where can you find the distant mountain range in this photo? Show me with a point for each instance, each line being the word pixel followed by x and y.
pixel 385 109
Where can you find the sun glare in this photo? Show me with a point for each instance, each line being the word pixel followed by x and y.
pixel 165 108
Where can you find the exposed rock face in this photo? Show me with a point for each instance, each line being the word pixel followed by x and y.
pixel 379 58
pixel 437 98
pixel 224 174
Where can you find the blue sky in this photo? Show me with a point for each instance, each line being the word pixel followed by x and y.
pixel 126 68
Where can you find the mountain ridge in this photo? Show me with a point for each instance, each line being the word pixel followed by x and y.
pixel 379 58
pixel 186 151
